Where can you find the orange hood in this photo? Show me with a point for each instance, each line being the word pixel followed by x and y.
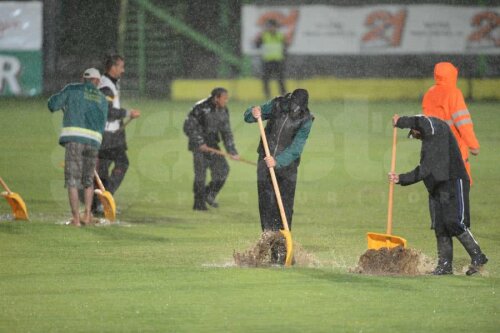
pixel 445 74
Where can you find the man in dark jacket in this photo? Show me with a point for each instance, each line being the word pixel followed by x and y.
pixel 287 129
pixel 444 174
pixel 114 145
pixel 204 125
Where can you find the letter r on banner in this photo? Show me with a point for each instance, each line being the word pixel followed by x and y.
pixel 10 68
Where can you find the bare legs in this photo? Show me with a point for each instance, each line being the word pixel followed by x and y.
pixel 74 203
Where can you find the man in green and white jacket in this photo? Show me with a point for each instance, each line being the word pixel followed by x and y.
pixel 85 112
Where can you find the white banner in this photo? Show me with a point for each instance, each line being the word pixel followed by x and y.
pixel 20 25
pixel 391 29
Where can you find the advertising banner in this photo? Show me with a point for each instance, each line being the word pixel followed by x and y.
pixel 20 48
pixel 384 29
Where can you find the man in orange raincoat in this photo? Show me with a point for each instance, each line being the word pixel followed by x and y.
pixel 446 102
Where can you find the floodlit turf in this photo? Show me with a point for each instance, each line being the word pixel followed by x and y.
pixel 165 268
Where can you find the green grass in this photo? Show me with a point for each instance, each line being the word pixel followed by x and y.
pixel 164 268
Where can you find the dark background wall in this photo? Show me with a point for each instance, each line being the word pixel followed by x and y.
pixel 78 34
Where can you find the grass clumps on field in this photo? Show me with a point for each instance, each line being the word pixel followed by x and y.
pixel 394 261
pixel 261 253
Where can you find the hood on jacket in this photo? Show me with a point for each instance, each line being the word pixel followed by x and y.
pixel 445 74
pixel 423 125
pixel 301 97
pixel 298 101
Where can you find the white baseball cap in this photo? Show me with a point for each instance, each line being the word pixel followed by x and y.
pixel 91 73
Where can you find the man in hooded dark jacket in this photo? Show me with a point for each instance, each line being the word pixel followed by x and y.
pixel 444 174
pixel 288 125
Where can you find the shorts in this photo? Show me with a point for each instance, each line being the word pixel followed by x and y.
pixel 79 165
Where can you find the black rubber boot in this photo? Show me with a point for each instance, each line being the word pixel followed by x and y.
pixel 478 259
pixel 199 196
pixel 445 256
pixel 210 197
pixel 199 205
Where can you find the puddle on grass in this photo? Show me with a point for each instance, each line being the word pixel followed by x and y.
pixel 6 218
pixel 227 264
pixel 98 222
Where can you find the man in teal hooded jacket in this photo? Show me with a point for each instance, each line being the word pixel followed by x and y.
pixel 289 123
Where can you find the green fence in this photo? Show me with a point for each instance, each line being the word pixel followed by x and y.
pixel 157 44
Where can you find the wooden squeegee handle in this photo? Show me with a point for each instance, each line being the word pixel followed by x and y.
pixel 5 186
pixel 125 124
pixel 99 182
pixel 273 176
pixel 221 153
pixel 391 184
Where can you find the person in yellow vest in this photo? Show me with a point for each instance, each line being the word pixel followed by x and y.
pixel 273 44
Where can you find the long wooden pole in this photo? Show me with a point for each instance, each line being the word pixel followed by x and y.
pixel 4 185
pixel 219 152
pixel 273 176
pixel 391 184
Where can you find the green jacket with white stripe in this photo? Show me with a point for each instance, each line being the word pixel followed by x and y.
pixel 85 112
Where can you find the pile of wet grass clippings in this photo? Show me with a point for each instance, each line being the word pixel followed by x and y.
pixel 393 261
pixel 260 254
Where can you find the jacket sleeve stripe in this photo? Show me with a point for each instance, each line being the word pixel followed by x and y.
pixel 463 122
pixel 81 132
pixel 432 127
pixel 460 113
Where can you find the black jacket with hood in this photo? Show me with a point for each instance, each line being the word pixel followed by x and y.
pixel 289 122
pixel 440 158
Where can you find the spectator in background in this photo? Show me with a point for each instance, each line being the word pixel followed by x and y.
pixel 207 121
pixel 85 112
pixel 114 144
pixel 273 44
pixel 446 102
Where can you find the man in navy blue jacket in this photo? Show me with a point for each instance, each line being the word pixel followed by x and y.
pixel 444 174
